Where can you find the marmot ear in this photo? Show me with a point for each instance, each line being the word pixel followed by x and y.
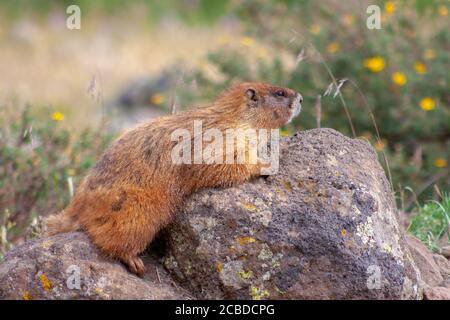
pixel 252 97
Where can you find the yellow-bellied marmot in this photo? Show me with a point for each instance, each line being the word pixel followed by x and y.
pixel 135 188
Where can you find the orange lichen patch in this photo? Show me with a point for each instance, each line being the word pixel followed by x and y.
pixel 287 186
pixel 27 296
pixel 249 206
pixel 440 163
pixel 245 240
pixel 343 232
pixel 219 267
pixel 46 284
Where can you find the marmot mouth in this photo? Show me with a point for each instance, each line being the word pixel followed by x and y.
pixel 296 107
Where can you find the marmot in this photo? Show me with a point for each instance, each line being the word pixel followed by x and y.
pixel 135 188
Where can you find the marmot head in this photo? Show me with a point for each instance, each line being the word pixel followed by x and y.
pixel 262 105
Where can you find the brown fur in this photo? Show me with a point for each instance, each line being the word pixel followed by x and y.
pixel 134 190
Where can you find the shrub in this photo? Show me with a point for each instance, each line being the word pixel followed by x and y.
pixel 40 161
pixel 431 222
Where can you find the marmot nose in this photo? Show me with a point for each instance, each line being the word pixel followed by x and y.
pixel 300 96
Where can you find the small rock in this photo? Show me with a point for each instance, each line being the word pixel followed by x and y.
pixel 443 264
pixel 430 271
pixel 445 251
pixel 436 293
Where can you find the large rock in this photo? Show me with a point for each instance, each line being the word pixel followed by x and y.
pixel 324 227
pixel 68 266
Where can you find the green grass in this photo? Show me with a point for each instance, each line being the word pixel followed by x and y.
pixel 431 222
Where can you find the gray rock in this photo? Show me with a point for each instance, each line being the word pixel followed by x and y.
pixel 324 227
pixel 68 266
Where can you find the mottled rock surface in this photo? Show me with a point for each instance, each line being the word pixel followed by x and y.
pixel 324 227
pixel 68 266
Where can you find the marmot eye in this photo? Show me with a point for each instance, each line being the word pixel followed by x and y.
pixel 280 93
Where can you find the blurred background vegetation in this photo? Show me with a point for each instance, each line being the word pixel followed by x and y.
pixel 389 86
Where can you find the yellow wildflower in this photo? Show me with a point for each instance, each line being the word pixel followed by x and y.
pixel 157 99
pixel 427 104
pixel 380 144
pixel 374 64
pixel 247 42
pixel 389 7
pixel 57 116
pixel 429 54
pixel 440 163
pixel 443 11
pixel 314 29
pixel 333 47
pixel 245 274
pixel 348 19
pixel 399 78
pixel 420 68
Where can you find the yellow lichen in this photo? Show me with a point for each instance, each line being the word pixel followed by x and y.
pixel 249 206
pixel 46 244
pixel 287 186
pixel 343 232
pixel 219 267
pixel 46 284
pixel 279 290
pixel 245 240
pixel 387 247
pixel 245 274
pixel 258 294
